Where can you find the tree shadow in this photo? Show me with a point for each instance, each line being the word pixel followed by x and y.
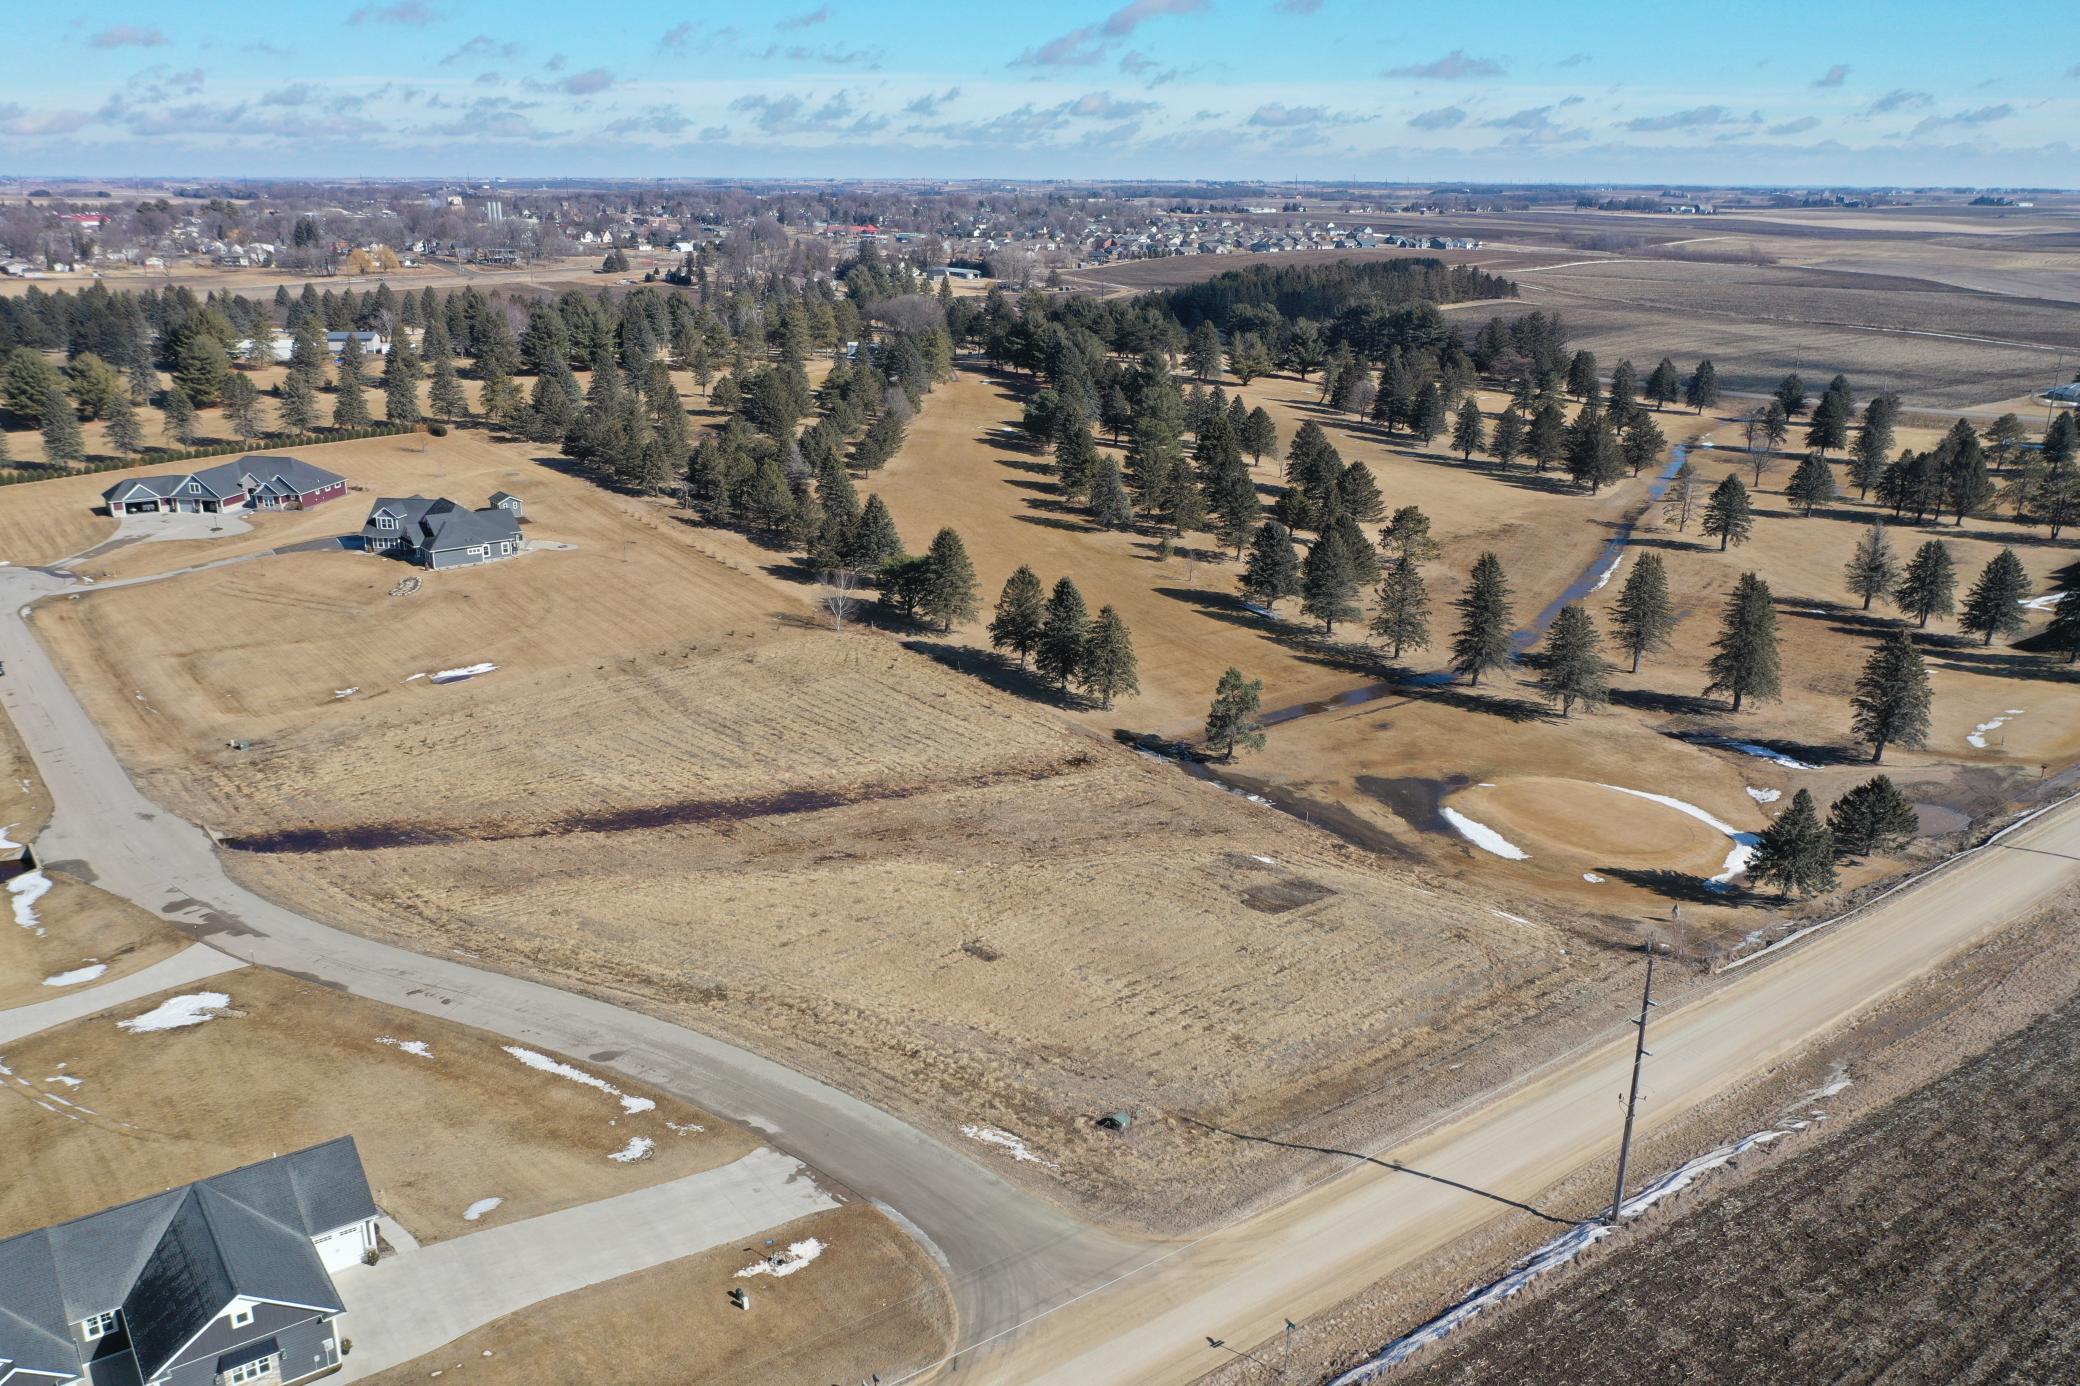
pixel 1669 704
pixel 999 673
pixel 1014 464
pixel 1678 885
pixel 1057 522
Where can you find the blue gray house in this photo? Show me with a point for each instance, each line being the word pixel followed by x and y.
pixel 440 533
pixel 217 1283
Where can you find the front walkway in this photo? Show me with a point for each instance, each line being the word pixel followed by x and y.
pixel 411 1303
pixel 192 964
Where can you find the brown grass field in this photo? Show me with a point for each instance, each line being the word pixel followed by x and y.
pixel 79 927
pixel 872 1302
pixel 290 1064
pixel 1926 1241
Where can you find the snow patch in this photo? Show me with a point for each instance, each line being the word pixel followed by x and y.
pixel 67 1079
pixel 1483 836
pixel 479 1208
pixel 1764 796
pixel 177 1013
pixel 344 692
pixel 688 1129
pixel 1512 918
pixel 638 1148
pixel 76 976
pixel 1977 735
pixel 1608 572
pixel 467 671
pixel 1592 878
pixel 1744 844
pixel 409 677
pixel 2043 603
pixel 1749 748
pixel 990 1135
pixel 799 1254
pixel 418 1047
pixel 545 1064
pixel 27 889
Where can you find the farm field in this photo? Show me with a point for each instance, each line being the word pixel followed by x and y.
pixel 679 748
pixel 1912 1243
pixel 70 937
pixel 870 1302
pixel 100 1113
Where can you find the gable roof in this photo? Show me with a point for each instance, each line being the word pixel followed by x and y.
pixel 441 523
pixel 283 475
pixel 286 476
pixel 173 1260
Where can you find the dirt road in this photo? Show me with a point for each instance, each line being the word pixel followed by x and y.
pixel 1240 1283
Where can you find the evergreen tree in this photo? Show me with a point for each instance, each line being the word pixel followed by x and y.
pixel 1547 440
pixel 1508 440
pixel 179 413
pixel 401 384
pixel 1701 390
pixel 125 433
pixel 949 588
pixel 1664 385
pixel 1727 515
pixel 1258 435
pixel 1231 723
pixel 63 439
pixel 445 395
pixel 1402 616
pixel 1110 505
pixel 1075 460
pixel 1873 568
pixel 1273 570
pixel 242 407
pixel 1594 457
pixel 875 543
pixel 1021 614
pixel 1485 639
pixel 1109 668
pixel 1791 395
pixel 1574 672
pixel 1745 658
pixel 349 406
pixel 1202 353
pixel 1468 432
pixel 1645 615
pixel 2063 634
pixel 1812 484
pixel 1643 442
pixel 1796 853
pixel 1994 605
pixel 1872 819
pixel 1867 460
pixel 1407 535
pixel 1891 701
pixel 1329 582
pixel 498 397
pixel 1929 585
pixel 1063 630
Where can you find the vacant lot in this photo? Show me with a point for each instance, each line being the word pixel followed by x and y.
pixel 870 1302
pixel 1927 1242
pixel 74 937
pixel 98 1113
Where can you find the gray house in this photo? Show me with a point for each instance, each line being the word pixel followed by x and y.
pixel 217 1283
pixel 440 533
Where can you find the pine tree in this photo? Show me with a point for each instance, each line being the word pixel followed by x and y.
pixel 1402 616
pixel 1329 582
pixel 1468 432
pixel 1745 659
pixel 1407 535
pixel 1994 605
pixel 1796 853
pixel 1664 385
pixel 1258 434
pixel 242 407
pixel 1929 585
pixel 1645 616
pixel 1273 571
pixel 1063 631
pixel 63 439
pixel 1021 612
pixel 125 433
pixel 1547 440
pixel 1872 819
pixel 349 407
pixel 1109 667
pixel 401 384
pixel 445 395
pixel 2063 634
pixel 875 543
pixel 1727 515
pixel 1891 701
pixel 1812 484
pixel 1485 639
pixel 1873 568
pixel 179 412
pixel 1643 441
pixel 949 588
pixel 1075 460
pixel 1110 505
pixel 1574 672
pixel 1508 440
pixel 1231 723
pixel 1701 390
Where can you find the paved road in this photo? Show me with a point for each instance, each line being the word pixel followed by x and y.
pixel 1009 1254
pixel 412 1303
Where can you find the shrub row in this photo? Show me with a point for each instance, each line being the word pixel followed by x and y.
pixel 270 444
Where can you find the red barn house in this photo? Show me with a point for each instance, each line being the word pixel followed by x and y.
pixel 256 483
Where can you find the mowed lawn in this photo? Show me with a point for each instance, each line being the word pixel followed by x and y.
pixel 98 1114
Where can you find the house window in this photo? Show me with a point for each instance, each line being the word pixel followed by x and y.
pixel 386 522
pixel 98 1326
pixel 196 487
pixel 251 1371
pixel 242 1316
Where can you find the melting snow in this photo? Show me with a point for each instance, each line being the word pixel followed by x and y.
pixel 630 1105
pixel 1592 878
pixel 467 671
pixel 990 1135
pixel 409 677
pixel 27 889
pixel 1764 796
pixel 418 1047
pixel 1483 836
pixel 799 1254
pixel 1977 735
pixel 1512 918
pixel 688 1129
pixel 479 1208
pixel 638 1148
pixel 1608 572
pixel 1744 844
pixel 2043 603
pixel 67 1079
pixel 344 692
pixel 178 1012
pixel 1749 748
pixel 76 976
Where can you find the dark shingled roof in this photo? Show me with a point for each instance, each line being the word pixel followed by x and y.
pixel 172 1261
pixel 440 524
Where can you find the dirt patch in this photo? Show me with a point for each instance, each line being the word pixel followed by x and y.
pixel 871 1303
pixel 98 1114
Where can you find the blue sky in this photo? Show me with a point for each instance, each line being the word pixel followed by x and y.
pixel 1768 92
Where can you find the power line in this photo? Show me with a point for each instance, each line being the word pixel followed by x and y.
pixel 1639 1055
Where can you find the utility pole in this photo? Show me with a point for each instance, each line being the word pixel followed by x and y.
pixel 1639 1054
